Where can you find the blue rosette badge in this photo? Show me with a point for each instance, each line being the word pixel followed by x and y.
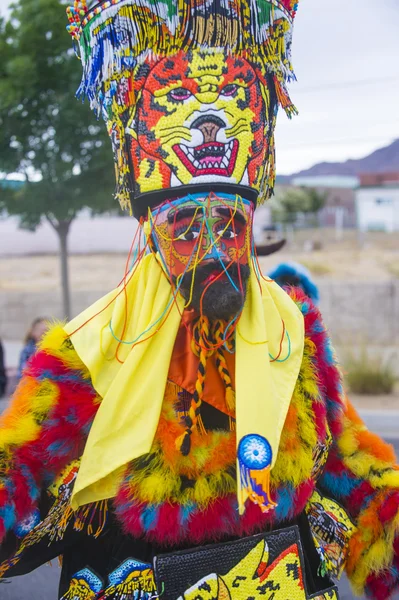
pixel 254 462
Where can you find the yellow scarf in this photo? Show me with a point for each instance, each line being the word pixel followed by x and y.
pixel 132 388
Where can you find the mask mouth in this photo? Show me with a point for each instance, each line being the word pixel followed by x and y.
pixel 212 271
pixel 223 299
pixel 210 158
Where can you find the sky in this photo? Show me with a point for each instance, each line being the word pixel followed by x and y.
pixel 346 58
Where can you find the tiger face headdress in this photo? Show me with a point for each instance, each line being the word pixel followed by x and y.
pixel 189 90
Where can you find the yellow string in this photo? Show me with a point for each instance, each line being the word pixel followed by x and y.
pixel 249 342
pixel 216 239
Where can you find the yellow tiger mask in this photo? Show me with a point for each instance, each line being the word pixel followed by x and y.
pixel 201 117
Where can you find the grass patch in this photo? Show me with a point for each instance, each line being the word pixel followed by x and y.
pixel 369 376
pixel 393 269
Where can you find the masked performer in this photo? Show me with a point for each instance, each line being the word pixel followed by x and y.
pixel 187 436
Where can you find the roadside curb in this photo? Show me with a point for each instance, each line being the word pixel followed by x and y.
pixel 382 422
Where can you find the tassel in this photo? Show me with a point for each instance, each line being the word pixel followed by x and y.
pixel 284 97
pixel 200 425
pixel 86 516
pixel 64 521
pixel 230 399
pixel 58 518
pixel 254 457
pixel 183 442
pixel 230 396
pixel 200 335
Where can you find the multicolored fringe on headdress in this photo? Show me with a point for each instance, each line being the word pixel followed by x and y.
pixel 119 34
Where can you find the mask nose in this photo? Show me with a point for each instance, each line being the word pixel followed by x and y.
pixel 209 126
pixel 213 250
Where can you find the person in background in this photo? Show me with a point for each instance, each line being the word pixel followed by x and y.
pixel 35 333
pixel 3 376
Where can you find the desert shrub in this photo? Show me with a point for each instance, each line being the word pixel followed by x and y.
pixel 369 376
pixel 317 268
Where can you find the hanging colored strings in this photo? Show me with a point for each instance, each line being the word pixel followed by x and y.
pixel 140 247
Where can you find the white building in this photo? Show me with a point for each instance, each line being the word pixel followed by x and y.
pixel 339 210
pixel 377 208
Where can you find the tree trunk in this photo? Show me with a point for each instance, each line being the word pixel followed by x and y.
pixel 62 229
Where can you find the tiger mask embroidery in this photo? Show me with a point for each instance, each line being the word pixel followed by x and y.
pixel 253 578
pixel 200 117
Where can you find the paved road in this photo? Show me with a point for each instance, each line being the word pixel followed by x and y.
pixel 42 584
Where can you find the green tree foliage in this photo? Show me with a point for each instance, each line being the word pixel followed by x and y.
pixel 316 200
pixel 288 204
pixel 45 133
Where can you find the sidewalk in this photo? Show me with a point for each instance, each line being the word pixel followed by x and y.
pixel 378 403
pixel 380 413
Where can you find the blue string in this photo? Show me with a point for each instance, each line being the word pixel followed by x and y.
pixel 144 332
pixel 225 345
pixel 219 257
pixel 192 254
pixel 213 240
pixel 162 258
pixel 134 258
pixel 281 360
pixel 176 202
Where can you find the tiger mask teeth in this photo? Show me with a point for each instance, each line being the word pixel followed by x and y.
pixel 210 158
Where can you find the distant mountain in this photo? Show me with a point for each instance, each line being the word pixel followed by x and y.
pixel 384 160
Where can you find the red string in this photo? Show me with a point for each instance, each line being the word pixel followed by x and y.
pixel 281 344
pixel 127 265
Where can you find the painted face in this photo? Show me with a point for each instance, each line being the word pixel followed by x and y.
pixel 200 230
pixel 201 118
pixel 204 243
